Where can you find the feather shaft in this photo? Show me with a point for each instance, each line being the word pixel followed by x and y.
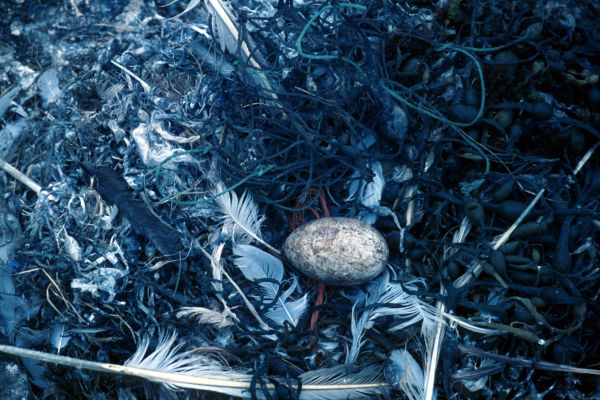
pixel 234 386
pixel 219 10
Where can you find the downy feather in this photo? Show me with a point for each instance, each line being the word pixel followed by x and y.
pixel 256 264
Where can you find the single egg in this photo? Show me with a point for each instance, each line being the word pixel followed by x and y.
pixel 338 251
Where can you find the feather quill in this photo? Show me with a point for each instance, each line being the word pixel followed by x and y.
pixel 168 358
pixel 224 26
pixel 174 368
pixel 239 217
pixel 217 265
pixel 58 338
pixel 256 264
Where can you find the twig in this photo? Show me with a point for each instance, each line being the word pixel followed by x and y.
pixel 21 177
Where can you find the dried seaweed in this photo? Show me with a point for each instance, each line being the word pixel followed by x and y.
pixel 154 157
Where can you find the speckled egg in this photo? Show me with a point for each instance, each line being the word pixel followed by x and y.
pixel 338 251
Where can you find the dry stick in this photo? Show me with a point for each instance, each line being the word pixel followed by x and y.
pixel 61 295
pixel 21 177
pixel 585 158
pixel 543 365
pixel 222 13
pixel 476 269
pixel 230 24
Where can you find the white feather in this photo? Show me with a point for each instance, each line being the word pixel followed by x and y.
pixel 224 25
pixel 217 268
pixel 408 308
pixel 282 311
pixel 359 325
pixel 343 382
pixel 176 369
pixel 405 373
pixel 368 192
pixel 170 366
pixel 256 264
pixel 239 217
pixel 207 316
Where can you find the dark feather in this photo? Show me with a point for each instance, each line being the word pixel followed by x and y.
pixel 114 190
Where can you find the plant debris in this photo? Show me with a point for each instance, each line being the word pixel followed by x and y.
pixel 155 156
